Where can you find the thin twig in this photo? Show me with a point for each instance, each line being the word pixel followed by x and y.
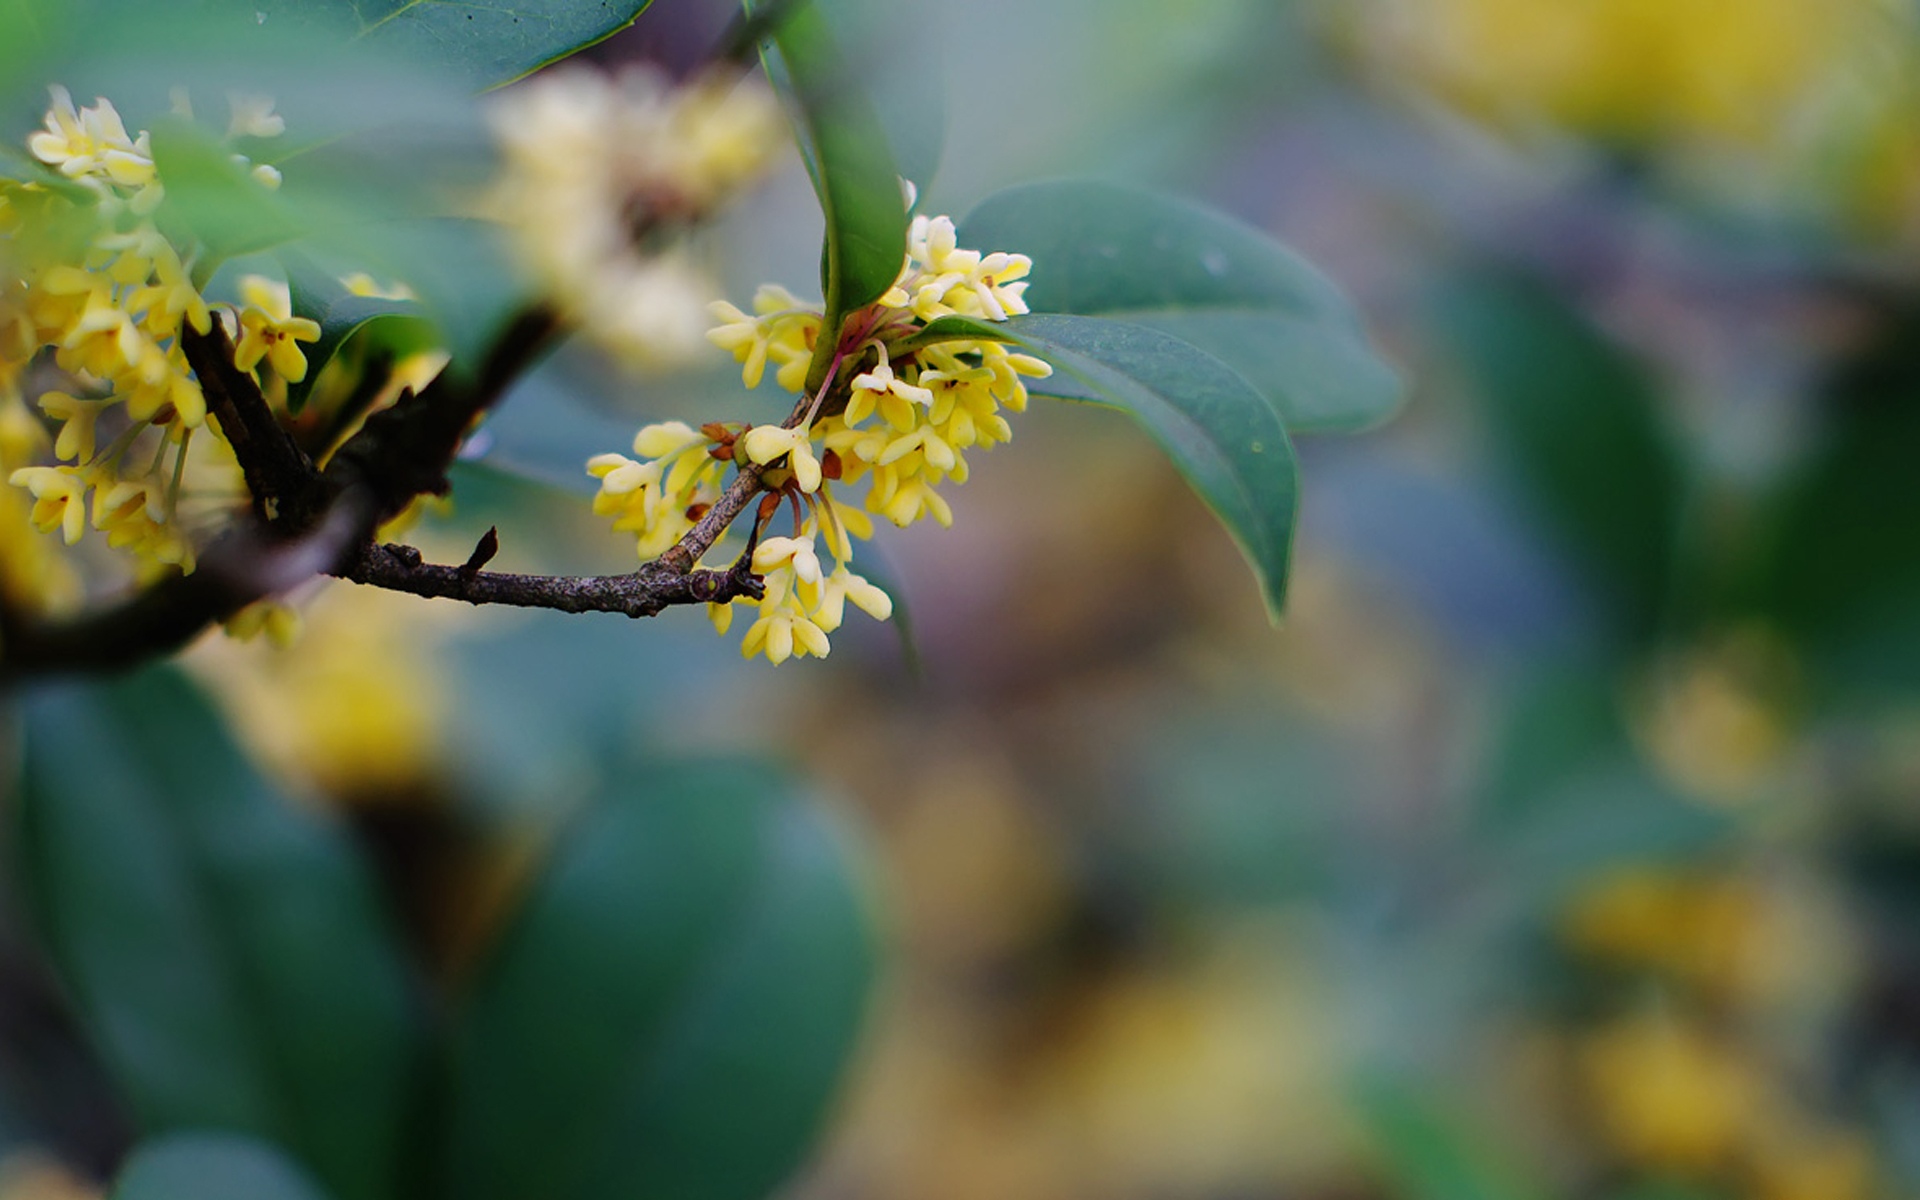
pixel 644 593
pixel 693 544
pixel 245 564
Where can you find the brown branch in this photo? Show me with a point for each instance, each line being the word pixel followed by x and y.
pixel 286 488
pixel 644 593
pixel 695 542
pixel 306 522
pixel 312 523
pixel 244 565
pixel 404 451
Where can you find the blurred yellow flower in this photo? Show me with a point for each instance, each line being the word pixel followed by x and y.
pixel 1667 1095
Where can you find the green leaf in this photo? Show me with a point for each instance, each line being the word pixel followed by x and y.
pixel 671 1012
pixel 395 328
pixel 1426 1152
pixel 491 44
pixel 1222 435
pixel 1100 249
pixel 1320 377
pixel 213 197
pixel 225 949
pixel 1223 286
pixel 486 44
pixel 459 270
pixel 870 32
pixel 853 171
pixel 211 1166
pixel 1579 424
pixel 1834 569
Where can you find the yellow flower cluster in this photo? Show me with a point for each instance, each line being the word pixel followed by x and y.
pixel 896 416
pixel 595 164
pixel 658 500
pixel 92 288
pixel 1701 70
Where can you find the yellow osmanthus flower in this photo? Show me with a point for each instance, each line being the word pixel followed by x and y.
pixel 595 164
pixel 91 144
pixel 1669 1095
pixel 658 499
pixel 269 330
pixel 90 281
pixel 782 330
pixel 895 416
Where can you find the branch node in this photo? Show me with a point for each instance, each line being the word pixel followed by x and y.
pixel 483 552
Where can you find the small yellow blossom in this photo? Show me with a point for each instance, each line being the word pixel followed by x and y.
pixel 59 495
pixel 362 284
pixel 843 585
pixel 91 143
pixel 659 499
pixel 269 330
pixel 766 444
pixel 77 417
pixel 280 622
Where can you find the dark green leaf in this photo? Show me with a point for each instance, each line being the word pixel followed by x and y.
pixel 853 172
pixel 494 43
pixel 1100 249
pixel 213 197
pixel 1222 435
pixel 458 269
pixel 1579 423
pixel 225 949
pixel 1104 250
pixel 672 1011
pixel 870 33
pixel 1318 375
pixel 1836 569
pixel 487 44
pixel 390 328
pixel 211 1166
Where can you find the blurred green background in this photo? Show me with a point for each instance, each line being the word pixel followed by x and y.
pixel 1564 840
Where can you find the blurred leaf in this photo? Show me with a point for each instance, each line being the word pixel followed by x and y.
pixel 1837 568
pixel 1221 434
pixel 853 172
pixel 672 1010
pixel 225 949
pixel 1428 1155
pixel 869 33
pixel 484 44
pixel 213 197
pixel 1100 249
pixel 395 326
pixel 491 44
pixel 458 269
pixel 1579 422
pixel 545 432
pixel 1240 806
pixel 1568 794
pixel 1558 720
pixel 1104 250
pixel 210 1166
pixel 1320 377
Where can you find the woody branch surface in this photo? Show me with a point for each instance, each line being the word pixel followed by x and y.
pixel 309 522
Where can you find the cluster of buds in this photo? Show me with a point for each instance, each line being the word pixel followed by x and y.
pixel 894 415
